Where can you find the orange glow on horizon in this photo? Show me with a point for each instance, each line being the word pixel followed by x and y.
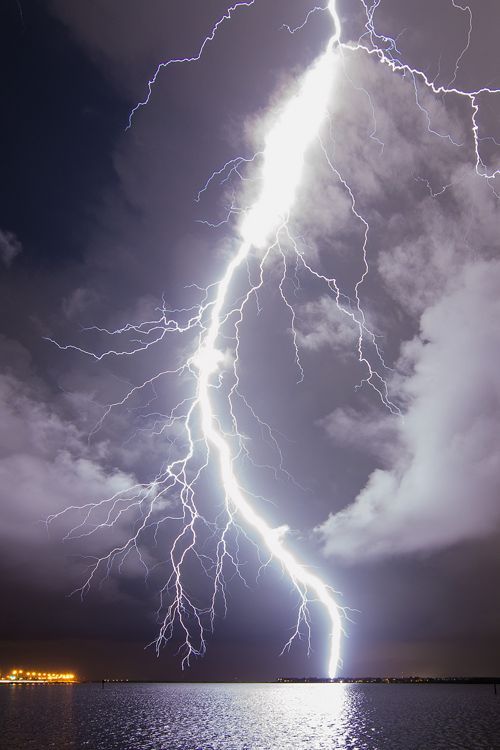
pixel 21 675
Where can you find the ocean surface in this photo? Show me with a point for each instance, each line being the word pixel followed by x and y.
pixel 249 717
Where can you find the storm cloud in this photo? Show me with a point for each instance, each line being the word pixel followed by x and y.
pixel 441 487
pixel 105 228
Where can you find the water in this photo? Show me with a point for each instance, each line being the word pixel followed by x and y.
pixel 249 717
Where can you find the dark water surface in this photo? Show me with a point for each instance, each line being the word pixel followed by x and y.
pixel 249 717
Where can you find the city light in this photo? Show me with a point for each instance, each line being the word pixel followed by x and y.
pixel 32 675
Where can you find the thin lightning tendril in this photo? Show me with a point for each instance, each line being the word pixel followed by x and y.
pixel 205 438
pixel 195 58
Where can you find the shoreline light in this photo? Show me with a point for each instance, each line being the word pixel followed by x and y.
pixel 31 675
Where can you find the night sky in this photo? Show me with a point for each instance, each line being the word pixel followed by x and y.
pixel 98 224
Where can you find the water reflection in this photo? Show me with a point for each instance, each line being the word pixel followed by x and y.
pixel 36 716
pixel 249 717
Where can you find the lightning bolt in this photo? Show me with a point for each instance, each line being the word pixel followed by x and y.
pixel 206 438
pixel 386 51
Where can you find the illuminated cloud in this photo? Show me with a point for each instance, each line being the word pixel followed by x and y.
pixel 321 324
pixel 441 486
pixel 46 462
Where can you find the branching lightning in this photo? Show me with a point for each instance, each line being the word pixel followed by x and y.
pixel 195 58
pixel 205 424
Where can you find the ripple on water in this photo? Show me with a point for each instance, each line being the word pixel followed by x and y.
pixel 250 717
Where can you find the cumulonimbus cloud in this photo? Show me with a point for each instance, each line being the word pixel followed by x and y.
pixel 442 484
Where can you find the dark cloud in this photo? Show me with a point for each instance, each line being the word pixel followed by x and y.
pixel 10 247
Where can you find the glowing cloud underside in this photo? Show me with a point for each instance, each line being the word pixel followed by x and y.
pixel 261 229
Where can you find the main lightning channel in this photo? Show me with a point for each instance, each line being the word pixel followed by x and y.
pixel 283 158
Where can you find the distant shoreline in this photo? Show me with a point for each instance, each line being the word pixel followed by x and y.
pixel 282 681
pixel 394 680
pixel 317 680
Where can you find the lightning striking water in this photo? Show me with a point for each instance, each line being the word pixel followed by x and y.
pixel 206 440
